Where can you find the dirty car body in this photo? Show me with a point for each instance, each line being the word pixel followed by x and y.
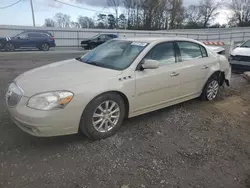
pixel 121 78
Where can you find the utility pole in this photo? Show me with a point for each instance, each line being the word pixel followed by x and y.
pixel 32 10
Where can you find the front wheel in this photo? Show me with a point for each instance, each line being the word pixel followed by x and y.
pixel 211 89
pixel 9 47
pixel 103 116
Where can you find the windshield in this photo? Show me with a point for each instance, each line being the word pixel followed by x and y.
pixel 246 44
pixel 114 54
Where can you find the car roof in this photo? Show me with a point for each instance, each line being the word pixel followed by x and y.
pixel 156 39
pixel 36 31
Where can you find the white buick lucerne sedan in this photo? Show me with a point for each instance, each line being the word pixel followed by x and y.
pixel 120 79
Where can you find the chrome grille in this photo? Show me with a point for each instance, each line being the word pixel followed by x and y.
pixel 241 58
pixel 14 95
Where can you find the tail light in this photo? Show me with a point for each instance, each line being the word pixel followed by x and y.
pixel 52 38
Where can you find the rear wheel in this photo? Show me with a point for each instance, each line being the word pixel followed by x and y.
pixel 44 47
pixel 103 116
pixel 9 47
pixel 211 89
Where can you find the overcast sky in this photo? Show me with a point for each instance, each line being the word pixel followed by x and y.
pixel 20 14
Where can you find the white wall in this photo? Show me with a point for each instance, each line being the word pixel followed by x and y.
pixel 73 37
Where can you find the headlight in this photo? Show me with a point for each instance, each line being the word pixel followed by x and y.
pixel 50 100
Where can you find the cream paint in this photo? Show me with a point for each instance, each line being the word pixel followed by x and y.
pixel 145 90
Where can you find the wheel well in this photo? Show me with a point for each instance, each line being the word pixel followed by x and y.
pixel 9 43
pixel 125 100
pixel 220 75
pixel 44 43
pixel 124 97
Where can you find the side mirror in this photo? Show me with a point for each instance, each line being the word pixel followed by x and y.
pixel 98 38
pixel 150 64
pixel 238 45
pixel 18 37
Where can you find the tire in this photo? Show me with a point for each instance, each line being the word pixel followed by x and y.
pixel 44 47
pixel 211 89
pixel 9 47
pixel 104 128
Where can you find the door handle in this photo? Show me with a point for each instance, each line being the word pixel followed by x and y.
pixel 174 74
pixel 205 67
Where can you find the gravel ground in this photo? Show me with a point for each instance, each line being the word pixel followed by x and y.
pixel 191 145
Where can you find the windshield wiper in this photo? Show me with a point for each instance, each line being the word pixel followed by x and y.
pixel 95 63
pixel 100 65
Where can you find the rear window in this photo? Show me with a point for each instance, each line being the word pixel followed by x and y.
pixel 37 34
pixel 190 50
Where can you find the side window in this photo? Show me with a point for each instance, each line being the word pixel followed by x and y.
pixel 108 37
pixel 164 53
pixel 35 35
pixel 23 36
pixel 189 51
pixel 45 35
pixel 102 37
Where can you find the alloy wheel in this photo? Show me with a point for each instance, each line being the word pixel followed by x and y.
pixel 212 90
pixel 106 116
pixel 45 47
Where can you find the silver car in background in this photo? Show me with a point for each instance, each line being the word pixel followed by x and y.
pixel 120 79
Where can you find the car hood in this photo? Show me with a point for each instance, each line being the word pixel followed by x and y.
pixel 241 51
pixel 64 75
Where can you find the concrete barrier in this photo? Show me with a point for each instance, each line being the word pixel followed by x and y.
pixel 72 37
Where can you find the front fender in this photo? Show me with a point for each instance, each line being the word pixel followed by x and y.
pixel 113 84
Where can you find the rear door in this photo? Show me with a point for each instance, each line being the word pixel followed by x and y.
pixel 195 67
pixel 36 39
pixel 22 40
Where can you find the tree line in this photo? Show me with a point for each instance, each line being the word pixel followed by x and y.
pixel 160 15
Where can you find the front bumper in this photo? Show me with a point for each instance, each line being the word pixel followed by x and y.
pixel 44 123
pixel 240 65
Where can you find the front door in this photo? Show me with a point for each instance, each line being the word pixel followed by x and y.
pixel 22 40
pixel 195 67
pixel 155 87
pixel 101 39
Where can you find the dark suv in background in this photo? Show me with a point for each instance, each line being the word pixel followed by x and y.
pixel 42 40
